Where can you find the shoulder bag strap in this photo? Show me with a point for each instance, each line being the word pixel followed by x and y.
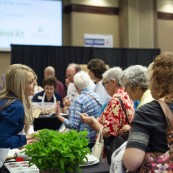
pixel 93 98
pixel 100 135
pixel 7 103
pixel 122 105
pixel 169 118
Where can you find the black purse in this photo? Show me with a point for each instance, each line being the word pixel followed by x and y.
pixel 111 143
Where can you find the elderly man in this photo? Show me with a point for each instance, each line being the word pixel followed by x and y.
pixel 71 70
pixel 87 101
pixel 50 71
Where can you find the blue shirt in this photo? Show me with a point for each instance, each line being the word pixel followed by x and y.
pixel 40 94
pixel 84 103
pixel 11 124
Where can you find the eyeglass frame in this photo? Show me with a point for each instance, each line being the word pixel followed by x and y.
pixel 105 83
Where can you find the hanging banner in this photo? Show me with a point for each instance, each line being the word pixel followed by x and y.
pixel 98 40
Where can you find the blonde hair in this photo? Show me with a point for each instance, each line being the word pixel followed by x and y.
pixel 15 83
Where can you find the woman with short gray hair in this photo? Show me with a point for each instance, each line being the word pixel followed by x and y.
pixel 114 73
pixel 136 84
pixel 113 118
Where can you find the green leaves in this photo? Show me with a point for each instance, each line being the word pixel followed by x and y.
pixel 58 151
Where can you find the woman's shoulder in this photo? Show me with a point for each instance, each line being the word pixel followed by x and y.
pixel 13 104
pixel 35 97
pixel 57 95
pixel 150 106
pixel 10 100
pixel 39 93
pixel 150 111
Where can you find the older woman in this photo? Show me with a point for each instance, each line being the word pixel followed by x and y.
pixel 136 84
pixel 87 101
pixel 149 126
pixel 113 118
pixel 49 94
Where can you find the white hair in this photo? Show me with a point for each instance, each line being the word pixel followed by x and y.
pixel 136 76
pixel 114 73
pixel 82 80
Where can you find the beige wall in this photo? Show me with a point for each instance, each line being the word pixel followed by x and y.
pixel 75 24
pixel 93 24
pixel 4 62
pixel 137 23
pixel 165 27
pixel 165 35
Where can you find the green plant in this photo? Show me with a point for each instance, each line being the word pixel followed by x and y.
pixel 58 151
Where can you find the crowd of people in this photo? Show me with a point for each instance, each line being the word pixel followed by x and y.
pixel 104 97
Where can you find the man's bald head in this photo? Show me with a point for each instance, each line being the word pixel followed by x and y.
pixel 49 71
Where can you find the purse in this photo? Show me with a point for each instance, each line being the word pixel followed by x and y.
pixel 97 149
pixel 161 162
pixel 114 142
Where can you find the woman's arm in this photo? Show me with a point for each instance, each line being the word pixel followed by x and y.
pixel 94 124
pixel 11 125
pixel 133 158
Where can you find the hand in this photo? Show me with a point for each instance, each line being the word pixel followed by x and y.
pixel 124 129
pixel 31 138
pixel 57 109
pixel 66 102
pixel 85 118
pixel 89 120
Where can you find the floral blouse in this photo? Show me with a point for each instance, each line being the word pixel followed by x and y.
pixel 113 118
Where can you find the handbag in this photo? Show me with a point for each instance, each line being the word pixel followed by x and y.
pixel 97 149
pixel 161 162
pixel 114 142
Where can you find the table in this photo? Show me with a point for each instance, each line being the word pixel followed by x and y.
pixel 48 122
pixel 98 168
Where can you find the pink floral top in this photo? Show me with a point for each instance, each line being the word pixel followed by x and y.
pixel 113 117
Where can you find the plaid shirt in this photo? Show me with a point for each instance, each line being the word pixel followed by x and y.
pixel 84 103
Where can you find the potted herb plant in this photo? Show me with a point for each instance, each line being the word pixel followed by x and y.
pixel 63 152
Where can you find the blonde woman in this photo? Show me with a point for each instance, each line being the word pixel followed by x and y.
pixel 20 81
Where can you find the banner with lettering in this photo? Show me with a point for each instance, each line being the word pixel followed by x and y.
pixel 98 40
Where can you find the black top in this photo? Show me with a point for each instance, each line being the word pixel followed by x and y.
pixel 149 128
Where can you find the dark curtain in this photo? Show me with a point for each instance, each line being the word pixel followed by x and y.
pixel 38 57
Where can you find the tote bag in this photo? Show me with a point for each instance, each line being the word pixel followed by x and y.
pixel 161 162
pixel 97 149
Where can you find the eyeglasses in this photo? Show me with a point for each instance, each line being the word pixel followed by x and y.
pixel 106 82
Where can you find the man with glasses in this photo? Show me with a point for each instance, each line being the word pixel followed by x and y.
pixel 71 70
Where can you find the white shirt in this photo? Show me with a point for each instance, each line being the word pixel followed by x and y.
pixel 71 92
pixel 100 90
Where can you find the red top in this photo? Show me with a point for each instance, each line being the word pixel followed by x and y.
pixel 113 117
pixel 60 89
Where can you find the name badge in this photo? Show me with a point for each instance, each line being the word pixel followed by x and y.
pixel 40 97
